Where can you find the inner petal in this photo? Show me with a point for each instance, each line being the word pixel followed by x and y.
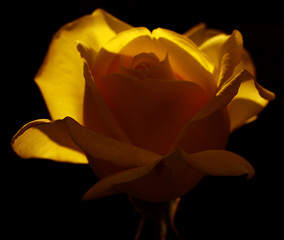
pixel 152 113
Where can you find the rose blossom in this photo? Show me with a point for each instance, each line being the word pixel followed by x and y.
pixel 150 111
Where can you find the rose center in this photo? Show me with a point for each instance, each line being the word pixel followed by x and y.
pixel 144 61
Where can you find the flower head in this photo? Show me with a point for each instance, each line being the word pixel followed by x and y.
pixel 150 111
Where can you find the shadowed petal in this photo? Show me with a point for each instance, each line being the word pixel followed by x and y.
pixel 210 115
pixel 97 115
pixel 152 113
pixel 171 176
pixel 106 148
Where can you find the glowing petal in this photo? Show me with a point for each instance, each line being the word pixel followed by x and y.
pixel 171 176
pixel 199 33
pixel 60 77
pixel 226 52
pixel 47 140
pixel 248 103
pixel 184 56
pixel 184 43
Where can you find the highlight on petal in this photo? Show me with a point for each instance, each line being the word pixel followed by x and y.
pixel 47 140
pixel 200 33
pixel 226 52
pixel 172 176
pixel 183 53
pixel 184 43
pixel 248 103
pixel 67 141
pixel 60 77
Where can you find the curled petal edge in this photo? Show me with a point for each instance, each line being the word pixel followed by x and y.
pixel 47 139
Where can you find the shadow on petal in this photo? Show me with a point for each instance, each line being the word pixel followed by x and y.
pixel 172 176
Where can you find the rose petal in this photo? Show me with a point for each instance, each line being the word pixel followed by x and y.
pixel 67 141
pixel 224 95
pixel 220 163
pixel 184 53
pixel 107 155
pixel 226 52
pixel 106 148
pixel 211 132
pixel 97 116
pixel 184 43
pixel 215 106
pixel 199 33
pixel 238 86
pixel 47 140
pixel 108 58
pixel 248 103
pixel 60 77
pixel 246 63
pixel 151 112
pixel 171 176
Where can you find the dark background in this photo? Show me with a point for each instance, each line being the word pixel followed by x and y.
pixel 43 198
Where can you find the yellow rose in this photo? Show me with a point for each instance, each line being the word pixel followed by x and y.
pixel 151 112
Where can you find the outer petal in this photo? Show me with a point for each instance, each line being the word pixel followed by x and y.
pixel 106 148
pixel 60 77
pixel 226 52
pixel 246 63
pixel 213 113
pixel 107 155
pixel 248 103
pixel 171 176
pixel 67 141
pixel 48 140
pixel 199 33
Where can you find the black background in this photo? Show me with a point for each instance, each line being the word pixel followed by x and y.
pixel 43 198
